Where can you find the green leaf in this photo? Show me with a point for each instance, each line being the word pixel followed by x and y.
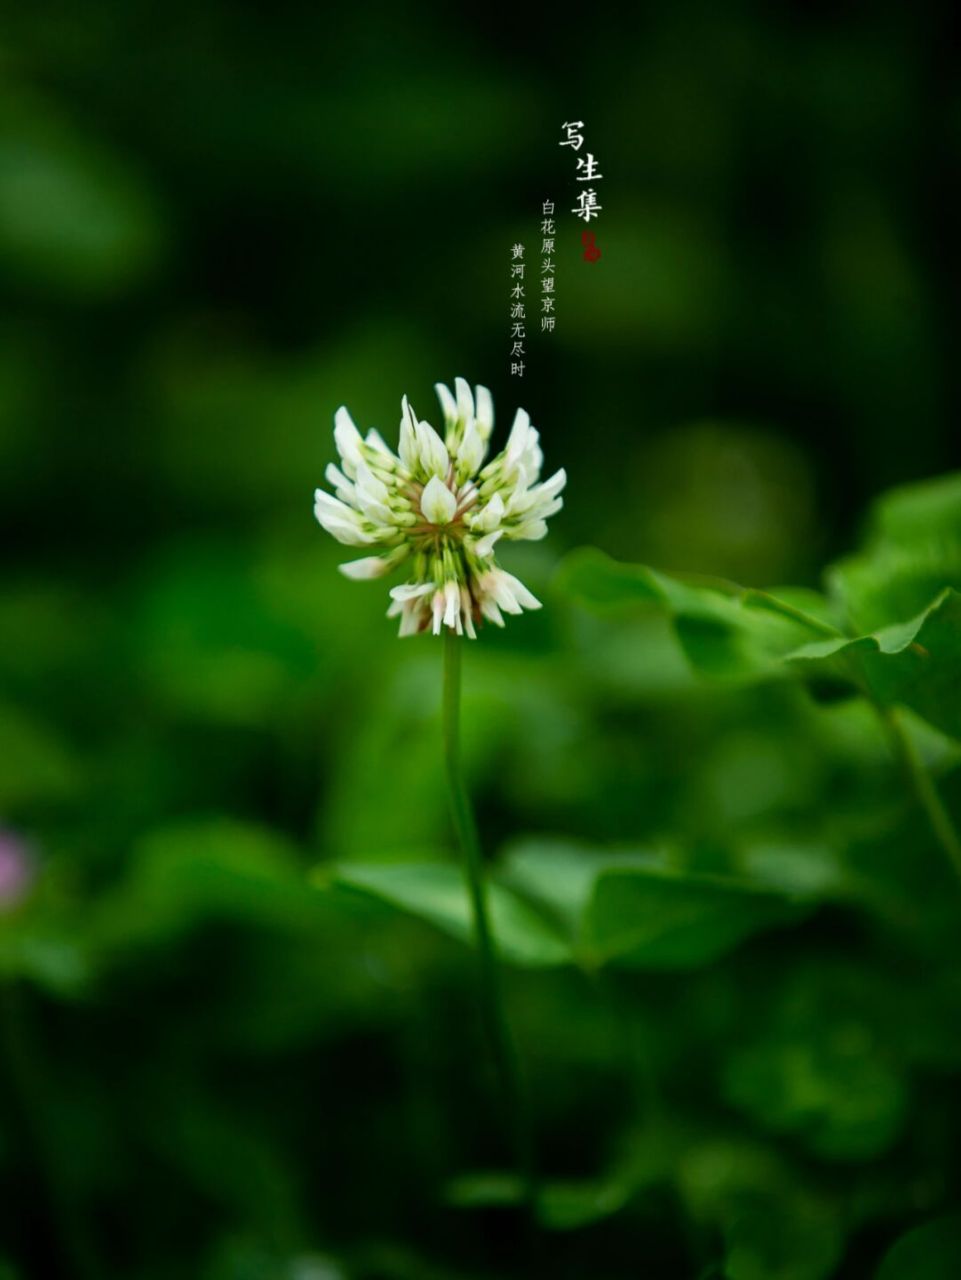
pixel 912 554
pixel 636 910
pixel 724 630
pixel 915 513
pixel 915 663
pixel 659 918
pixel 435 891
pixel 727 632
pixel 191 872
pixel 930 1252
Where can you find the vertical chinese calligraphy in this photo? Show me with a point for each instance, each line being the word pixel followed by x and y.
pixel 587 170
pixel 518 311
pixel 548 230
pixel 587 206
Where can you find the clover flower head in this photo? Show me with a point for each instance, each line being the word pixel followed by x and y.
pixel 436 507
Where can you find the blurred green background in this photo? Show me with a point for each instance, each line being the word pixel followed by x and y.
pixel 217 224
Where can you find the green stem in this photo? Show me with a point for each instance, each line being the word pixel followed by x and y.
pixel 491 996
pixel 924 789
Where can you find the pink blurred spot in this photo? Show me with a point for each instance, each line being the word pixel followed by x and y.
pixel 17 869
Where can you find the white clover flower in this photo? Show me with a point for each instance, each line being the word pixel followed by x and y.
pixel 436 508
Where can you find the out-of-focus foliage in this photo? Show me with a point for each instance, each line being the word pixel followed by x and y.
pixel 910 660
pixel 239 1032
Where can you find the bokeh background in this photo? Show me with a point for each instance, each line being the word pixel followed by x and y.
pixel 217 224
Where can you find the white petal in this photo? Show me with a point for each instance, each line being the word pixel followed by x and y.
pixel 490 516
pixel 452 606
pixel 517 440
pixel 531 463
pixel 537 503
pixel 465 401
pixel 408 438
pixel 504 597
pixel 484 415
pixel 373 496
pixel 411 590
pixel 447 403
pixel 346 534
pixel 467 605
pixel 528 531
pixel 437 502
pixel 508 592
pixel 471 452
pixel 347 437
pixel 368 484
pixel 433 452
pixel 485 547
pixel 490 611
pixel 374 440
pixel 369 567
pixel 376 512
pixel 530 460
pixel 340 483
pixel 520 592
pixel 410 620
pixel 340 520
pixel 437 607
pixel 553 486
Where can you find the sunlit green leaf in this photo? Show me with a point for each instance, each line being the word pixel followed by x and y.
pixel 916 663
pixel 436 892
pixel 638 910
pixel 725 631
pixel 912 554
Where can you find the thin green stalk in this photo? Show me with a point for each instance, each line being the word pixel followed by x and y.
pixel 491 995
pixel 924 789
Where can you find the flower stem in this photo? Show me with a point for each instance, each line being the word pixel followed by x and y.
pixel 925 791
pixel 491 996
